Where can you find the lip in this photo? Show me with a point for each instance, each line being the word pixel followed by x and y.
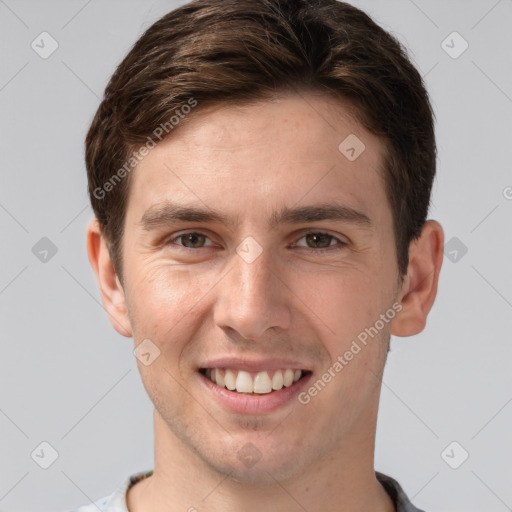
pixel 245 403
pixel 254 365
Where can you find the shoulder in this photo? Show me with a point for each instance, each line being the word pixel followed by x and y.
pixel 115 502
pixel 397 494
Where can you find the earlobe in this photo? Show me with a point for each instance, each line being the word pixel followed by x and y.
pixel 419 288
pixel 112 293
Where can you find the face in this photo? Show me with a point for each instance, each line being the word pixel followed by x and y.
pixel 255 254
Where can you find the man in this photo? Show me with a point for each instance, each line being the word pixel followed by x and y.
pixel 260 173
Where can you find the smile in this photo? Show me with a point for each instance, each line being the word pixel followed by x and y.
pixel 261 382
pixel 254 386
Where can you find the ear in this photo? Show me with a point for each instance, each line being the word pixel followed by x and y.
pixel 419 287
pixel 112 293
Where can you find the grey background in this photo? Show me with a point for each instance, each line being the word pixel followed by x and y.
pixel 69 379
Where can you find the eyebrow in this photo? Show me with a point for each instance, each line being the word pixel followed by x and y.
pixel 168 212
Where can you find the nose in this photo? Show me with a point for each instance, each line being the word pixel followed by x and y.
pixel 252 298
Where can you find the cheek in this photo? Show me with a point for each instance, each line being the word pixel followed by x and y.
pixel 343 300
pixel 162 296
pixel 348 304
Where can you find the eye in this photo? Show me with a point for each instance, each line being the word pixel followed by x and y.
pixel 314 241
pixel 320 240
pixel 191 240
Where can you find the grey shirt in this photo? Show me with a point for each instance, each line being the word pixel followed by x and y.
pixel 116 502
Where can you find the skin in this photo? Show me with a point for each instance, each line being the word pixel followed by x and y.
pixel 207 301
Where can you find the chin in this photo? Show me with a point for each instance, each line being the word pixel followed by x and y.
pixel 262 473
pixel 258 463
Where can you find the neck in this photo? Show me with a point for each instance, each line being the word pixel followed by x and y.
pixel 342 481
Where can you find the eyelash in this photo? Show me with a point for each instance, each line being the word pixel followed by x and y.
pixel 340 245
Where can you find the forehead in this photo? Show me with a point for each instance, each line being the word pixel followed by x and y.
pixel 253 158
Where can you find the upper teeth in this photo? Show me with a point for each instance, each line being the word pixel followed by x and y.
pixel 261 383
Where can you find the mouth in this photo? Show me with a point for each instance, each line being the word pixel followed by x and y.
pixel 264 382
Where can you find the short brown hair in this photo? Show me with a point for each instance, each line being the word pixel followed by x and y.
pixel 240 51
